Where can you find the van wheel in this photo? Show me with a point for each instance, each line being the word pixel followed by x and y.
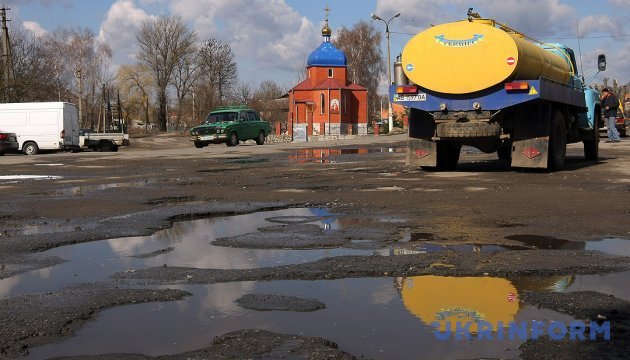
pixel 30 148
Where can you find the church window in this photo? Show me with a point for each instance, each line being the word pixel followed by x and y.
pixel 322 104
pixel 330 73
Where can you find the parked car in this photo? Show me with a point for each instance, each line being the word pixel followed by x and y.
pixel 230 125
pixel 8 143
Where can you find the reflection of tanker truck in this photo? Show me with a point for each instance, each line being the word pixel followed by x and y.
pixel 443 299
pixel 480 83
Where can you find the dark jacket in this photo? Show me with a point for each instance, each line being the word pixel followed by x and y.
pixel 613 103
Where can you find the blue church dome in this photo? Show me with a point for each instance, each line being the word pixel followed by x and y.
pixel 327 54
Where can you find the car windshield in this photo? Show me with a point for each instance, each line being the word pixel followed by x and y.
pixel 222 116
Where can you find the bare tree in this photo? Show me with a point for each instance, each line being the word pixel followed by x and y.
pixel 162 43
pixel 32 69
pixel 269 102
pixel 362 47
pixel 243 93
pixel 219 69
pixel 184 77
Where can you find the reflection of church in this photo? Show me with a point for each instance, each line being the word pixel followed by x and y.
pixel 326 103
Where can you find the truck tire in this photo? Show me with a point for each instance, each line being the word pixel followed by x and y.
pixel 505 153
pixel 261 138
pixel 468 130
pixel 30 148
pixel 447 155
pixel 233 139
pixel 107 146
pixel 591 146
pixel 557 142
pixel 199 144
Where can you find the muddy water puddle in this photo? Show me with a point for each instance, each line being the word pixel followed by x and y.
pixel 609 245
pixel 333 155
pixel 381 318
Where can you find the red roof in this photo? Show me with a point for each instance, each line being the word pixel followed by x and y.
pixel 328 84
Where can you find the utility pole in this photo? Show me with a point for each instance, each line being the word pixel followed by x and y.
pixel 6 55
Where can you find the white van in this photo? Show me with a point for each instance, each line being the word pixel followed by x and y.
pixel 42 126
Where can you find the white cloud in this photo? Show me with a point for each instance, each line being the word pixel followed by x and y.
pixel 624 4
pixel 533 17
pixel 268 33
pixel 119 29
pixel 34 27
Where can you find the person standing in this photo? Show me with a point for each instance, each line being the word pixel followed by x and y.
pixel 610 104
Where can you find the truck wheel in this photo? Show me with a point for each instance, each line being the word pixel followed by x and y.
pixel 105 146
pixel 591 146
pixel 505 153
pixel 447 155
pixel 199 144
pixel 30 148
pixel 261 138
pixel 233 139
pixel 557 142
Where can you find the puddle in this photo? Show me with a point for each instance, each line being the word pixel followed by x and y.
pixel 246 161
pixel 330 155
pixel 615 284
pixel 190 240
pixel 85 189
pixel 611 246
pixel 381 318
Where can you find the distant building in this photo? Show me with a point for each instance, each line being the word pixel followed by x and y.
pixel 326 103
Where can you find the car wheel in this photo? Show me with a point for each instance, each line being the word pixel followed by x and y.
pixel 233 139
pixel 199 144
pixel 261 138
pixel 1 154
pixel 30 148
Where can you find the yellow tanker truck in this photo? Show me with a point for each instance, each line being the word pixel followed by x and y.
pixel 480 83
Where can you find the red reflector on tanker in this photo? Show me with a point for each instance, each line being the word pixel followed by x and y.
pixel 420 153
pixel 406 89
pixel 530 152
pixel 517 85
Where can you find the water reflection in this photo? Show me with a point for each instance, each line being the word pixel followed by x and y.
pixel 191 243
pixel 328 155
pixel 366 317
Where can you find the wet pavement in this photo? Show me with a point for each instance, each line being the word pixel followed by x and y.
pixel 379 318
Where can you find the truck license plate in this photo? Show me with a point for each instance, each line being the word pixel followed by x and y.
pixel 417 97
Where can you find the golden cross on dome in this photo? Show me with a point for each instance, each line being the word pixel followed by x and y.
pixel 327 11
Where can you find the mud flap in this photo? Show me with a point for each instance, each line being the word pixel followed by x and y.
pixel 421 153
pixel 531 153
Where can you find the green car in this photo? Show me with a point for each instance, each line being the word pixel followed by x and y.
pixel 230 125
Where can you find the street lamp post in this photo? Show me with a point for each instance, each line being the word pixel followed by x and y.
pixel 389 68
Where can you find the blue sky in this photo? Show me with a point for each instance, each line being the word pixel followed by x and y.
pixel 272 38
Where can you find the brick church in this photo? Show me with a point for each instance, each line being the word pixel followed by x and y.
pixel 326 103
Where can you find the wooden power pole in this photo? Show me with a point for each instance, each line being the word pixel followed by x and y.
pixel 6 55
